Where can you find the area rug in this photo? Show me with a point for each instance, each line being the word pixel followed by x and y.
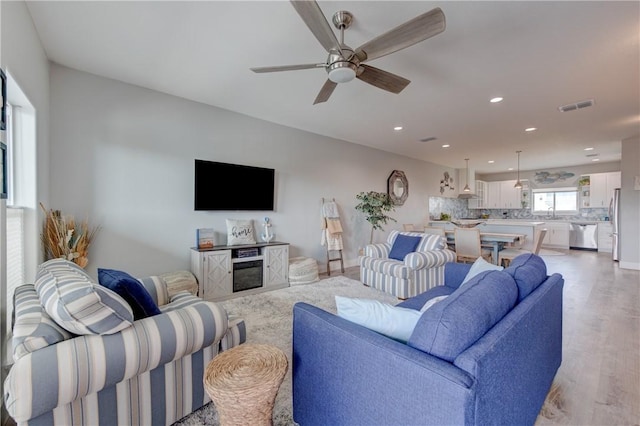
pixel 268 317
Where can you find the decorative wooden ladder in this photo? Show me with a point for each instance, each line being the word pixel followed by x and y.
pixel 334 259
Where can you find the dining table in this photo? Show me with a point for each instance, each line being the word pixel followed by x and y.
pixel 495 240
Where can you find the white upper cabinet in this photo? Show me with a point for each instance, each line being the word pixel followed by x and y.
pixel 601 189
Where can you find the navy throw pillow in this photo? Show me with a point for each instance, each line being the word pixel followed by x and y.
pixel 131 290
pixel 403 245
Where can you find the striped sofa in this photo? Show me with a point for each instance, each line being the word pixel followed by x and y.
pixel 148 373
pixel 421 270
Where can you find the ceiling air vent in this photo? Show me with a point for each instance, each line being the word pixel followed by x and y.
pixel 577 105
pixel 432 138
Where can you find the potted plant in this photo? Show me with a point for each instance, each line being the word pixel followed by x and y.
pixel 375 205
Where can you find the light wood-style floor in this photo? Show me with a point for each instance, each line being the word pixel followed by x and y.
pixel 600 373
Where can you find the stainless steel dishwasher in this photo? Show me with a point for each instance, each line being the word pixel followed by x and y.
pixel 583 236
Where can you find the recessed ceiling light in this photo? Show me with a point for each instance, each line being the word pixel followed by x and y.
pixel 495 100
pixel 490 161
pixel 446 146
pixel 530 129
pixel 510 168
pixel 596 159
pixel 397 128
pixel 588 149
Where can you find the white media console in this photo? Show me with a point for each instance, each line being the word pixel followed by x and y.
pixel 225 272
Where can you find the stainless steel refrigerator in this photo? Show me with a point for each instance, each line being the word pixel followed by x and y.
pixel 614 216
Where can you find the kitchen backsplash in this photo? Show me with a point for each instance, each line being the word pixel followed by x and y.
pixel 459 209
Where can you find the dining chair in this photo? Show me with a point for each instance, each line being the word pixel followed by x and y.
pixel 467 245
pixel 507 255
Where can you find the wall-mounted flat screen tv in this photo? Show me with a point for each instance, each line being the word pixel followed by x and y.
pixel 224 186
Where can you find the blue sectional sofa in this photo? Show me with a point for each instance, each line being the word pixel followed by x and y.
pixel 485 354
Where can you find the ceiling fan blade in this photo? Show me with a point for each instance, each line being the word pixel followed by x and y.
pixel 287 68
pixel 411 32
pixel 325 92
pixel 311 14
pixel 382 79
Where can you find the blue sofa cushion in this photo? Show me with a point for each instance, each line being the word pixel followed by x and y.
pixel 455 323
pixel 403 245
pixel 131 290
pixel 529 271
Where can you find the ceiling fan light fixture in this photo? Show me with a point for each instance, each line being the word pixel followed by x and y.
pixel 342 72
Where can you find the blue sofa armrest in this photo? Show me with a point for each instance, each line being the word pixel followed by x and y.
pixel 454 273
pixel 526 344
pixel 345 374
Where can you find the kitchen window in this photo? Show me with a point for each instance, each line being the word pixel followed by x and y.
pixel 563 201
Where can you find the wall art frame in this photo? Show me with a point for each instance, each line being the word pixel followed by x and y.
pixel 398 187
pixel 3 171
pixel 3 93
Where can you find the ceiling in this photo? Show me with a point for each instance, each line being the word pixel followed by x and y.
pixel 536 55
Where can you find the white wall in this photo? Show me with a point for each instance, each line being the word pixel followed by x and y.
pixel 630 205
pixel 123 156
pixel 24 59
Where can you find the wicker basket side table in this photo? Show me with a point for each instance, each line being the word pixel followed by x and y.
pixel 243 382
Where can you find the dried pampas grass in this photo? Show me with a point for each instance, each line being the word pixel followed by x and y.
pixel 62 237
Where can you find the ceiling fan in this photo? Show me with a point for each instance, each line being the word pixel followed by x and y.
pixel 344 63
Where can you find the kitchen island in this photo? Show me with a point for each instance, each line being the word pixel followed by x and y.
pixel 503 226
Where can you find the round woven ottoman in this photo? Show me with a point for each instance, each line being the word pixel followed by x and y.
pixel 243 382
pixel 302 270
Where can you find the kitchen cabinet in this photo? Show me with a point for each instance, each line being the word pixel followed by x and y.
pixel 557 235
pixel 600 191
pixel 493 195
pixel 502 195
pixel 509 196
pixel 605 237
pixel 480 201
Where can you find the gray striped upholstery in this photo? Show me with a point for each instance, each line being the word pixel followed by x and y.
pixel 33 329
pixel 420 270
pixel 147 374
pixel 78 304
pixel 236 335
pixel 157 288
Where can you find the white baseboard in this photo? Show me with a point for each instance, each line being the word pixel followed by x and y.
pixel 630 265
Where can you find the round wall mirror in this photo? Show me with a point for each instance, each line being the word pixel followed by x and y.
pixel 398 187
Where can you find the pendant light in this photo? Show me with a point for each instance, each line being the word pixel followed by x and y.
pixel 518 184
pixel 466 187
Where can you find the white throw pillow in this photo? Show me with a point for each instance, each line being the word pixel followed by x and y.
pixel 429 303
pixel 392 321
pixel 240 232
pixel 480 265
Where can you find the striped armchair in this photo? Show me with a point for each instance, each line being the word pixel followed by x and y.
pixel 150 372
pixel 420 270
